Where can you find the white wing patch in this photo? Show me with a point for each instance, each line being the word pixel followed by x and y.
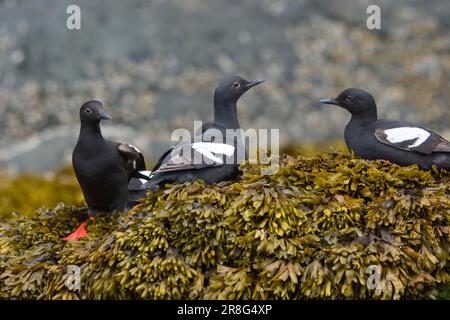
pixel 401 134
pixel 147 174
pixel 208 148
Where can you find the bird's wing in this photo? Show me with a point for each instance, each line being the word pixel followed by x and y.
pixel 132 158
pixel 162 158
pixel 194 155
pixel 413 138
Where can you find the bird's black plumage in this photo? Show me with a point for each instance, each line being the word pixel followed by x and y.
pixel 103 168
pixel 399 142
pixel 204 157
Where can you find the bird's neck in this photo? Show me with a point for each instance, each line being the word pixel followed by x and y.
pixel 91 131
pixel 225 113
pixel 364 119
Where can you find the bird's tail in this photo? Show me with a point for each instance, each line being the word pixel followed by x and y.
pixel 135 196
pixel 151 185
pixel 142 182
pixel 135 186
pixel 139 179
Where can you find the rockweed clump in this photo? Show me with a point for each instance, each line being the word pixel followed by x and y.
pixel 311 230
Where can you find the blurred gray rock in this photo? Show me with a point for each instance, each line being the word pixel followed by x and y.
pixel 155 65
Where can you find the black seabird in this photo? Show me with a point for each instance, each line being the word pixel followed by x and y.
pixel 103 168
pixel 207 156
pixel 396 141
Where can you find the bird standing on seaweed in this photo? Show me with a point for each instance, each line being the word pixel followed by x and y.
pixel 103 168
pixel 218 159
pixel 396 141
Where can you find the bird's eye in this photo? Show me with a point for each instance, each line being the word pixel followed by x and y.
pixel 236 84
pixel 88 110
pixel 349 98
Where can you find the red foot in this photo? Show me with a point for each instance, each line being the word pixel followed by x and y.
pixel 81 232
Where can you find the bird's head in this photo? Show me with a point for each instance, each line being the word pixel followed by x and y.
pixel 232 88
pixel 356 101
pixel 93 111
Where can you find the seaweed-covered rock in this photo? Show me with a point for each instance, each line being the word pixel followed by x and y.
pixel 59 186
pixel 317 228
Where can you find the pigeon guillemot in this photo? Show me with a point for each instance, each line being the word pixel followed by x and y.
pixel 399 142
pixel 218 160
pixel 103 168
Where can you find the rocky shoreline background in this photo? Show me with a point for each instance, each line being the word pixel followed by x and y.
pixel 155 64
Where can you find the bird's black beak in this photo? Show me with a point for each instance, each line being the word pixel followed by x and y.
pixel 104 116
pixel 329 101
pixel 253 83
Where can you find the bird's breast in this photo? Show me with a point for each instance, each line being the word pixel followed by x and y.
pixel 97 165
pixel 358 138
